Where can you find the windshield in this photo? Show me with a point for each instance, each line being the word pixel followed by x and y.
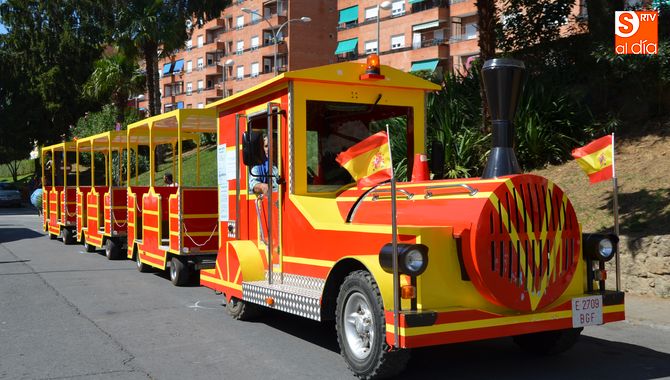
pixel 333 127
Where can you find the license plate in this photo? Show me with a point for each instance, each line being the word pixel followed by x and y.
pixel 587 311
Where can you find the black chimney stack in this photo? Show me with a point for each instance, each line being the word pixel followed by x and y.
pixel 503 83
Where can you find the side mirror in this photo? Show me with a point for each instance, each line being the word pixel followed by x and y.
pixel 253 152
pixel 437 159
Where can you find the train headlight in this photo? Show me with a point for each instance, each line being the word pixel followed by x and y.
pixel 412 258
pixel 600 247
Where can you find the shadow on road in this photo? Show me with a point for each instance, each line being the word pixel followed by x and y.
pixel 501 358
pixel 17 233
pixel 19 211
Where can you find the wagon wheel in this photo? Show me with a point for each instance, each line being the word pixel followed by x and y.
pixel 179 272
pixel 68 237
pixel 242 310
pixel 112 249
pixel 88 246
pixel 142 267
pixel 361 329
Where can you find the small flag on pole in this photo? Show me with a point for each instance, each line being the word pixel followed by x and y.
pixel 369 161
pixel 596 159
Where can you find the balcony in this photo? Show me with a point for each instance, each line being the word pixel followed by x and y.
pixel 462 8
pixel 215 24
pixel 463 44
pixel 215 47
pixel 213 69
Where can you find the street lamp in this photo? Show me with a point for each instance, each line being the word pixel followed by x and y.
pixel 383 5
pixel 276 33
pixel 225 66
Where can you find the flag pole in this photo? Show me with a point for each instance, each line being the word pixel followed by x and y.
pixel 394 243
pixel 615 202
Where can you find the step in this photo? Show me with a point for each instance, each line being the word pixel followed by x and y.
pixel 290 298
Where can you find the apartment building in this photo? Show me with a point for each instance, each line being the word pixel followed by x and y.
pixel 413 35
pixel 239 50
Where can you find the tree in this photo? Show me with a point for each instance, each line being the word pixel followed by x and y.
pixel 115 78
pixel 486 23
pixel 531 22
pixel 145 26
pixel 51 46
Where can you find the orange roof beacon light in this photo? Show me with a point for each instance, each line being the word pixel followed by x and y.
pixel 372 69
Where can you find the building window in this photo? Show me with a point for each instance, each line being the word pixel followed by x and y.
pixel 254 42
pixel 371 13
pixel 398 42
pixel 200 64
pixel 201 85
pixel 189 45
pixel 255 18
pixel 189 88
pixel 189 105
pixel 370 47
pixel 398 8
pixel 240 22
pixel 240 73
pixel 189 66
pixel 470 31
pixel 201 105
pixel 254 69
pixel 240 47
pixel 348 17
pixel 201 40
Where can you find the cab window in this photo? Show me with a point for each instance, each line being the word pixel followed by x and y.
pixel 333 127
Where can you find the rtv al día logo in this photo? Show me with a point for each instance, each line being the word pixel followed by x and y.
pixel 636 32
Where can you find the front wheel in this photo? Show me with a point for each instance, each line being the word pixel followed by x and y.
pixel 88 246
pixel 142 267
pixel 361 329
pixel 179 272
pixel 68 237
pixel 548 342
pixel 112 249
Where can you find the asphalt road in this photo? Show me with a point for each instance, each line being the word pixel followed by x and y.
pixel 68 314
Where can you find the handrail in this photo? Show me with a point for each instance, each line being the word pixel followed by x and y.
pixel 376 193
pixel 260 220
pixel 471 190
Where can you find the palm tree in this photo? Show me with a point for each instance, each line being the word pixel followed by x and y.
pixel 145 26
pixel 115 78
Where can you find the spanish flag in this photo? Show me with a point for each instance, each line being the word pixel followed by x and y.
pixel 596 159
pixel 369 161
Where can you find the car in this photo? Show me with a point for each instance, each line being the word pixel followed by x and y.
pixel 9 195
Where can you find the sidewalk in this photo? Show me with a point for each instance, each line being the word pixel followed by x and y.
pixel 648 311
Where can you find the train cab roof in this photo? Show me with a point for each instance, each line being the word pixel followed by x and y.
pixel 352 73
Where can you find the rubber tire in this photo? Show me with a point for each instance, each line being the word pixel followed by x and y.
pixel 242 310
pixel 68 237
pixel 112 249
pixel 548 342
pixel 180 274
pixel 88 247
pixel 381 362
pixel 141 267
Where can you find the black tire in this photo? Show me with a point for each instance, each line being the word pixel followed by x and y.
pixel 142 267
pixel 112 249
pixel 68 237
pixel 242 310
pixel 548 342
pixel 179 272
pixel 88 247
pixel 362 338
